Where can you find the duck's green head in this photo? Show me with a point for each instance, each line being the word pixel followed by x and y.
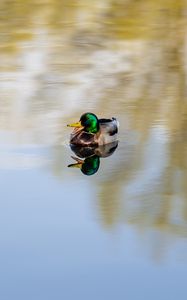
pixel 89 122
pixel 89 166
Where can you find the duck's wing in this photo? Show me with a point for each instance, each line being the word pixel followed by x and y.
pixel 83 138
pixel 108 131
pixel 109 126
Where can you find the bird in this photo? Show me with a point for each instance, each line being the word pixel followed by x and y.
pixel 91 131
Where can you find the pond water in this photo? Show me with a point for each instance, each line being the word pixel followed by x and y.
pixel 120 233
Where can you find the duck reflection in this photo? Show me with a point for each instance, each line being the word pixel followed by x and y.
pixel 91 162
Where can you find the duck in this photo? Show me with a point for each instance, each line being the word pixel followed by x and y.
pixel 91 131
pixel 91 162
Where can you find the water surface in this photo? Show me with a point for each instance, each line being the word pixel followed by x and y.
pixel 122 232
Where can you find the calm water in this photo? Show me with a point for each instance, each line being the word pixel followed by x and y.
pixel 122 232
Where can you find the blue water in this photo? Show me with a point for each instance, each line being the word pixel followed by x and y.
pixel 54 246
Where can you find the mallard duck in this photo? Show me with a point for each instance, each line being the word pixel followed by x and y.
pixel 91 131
pixel 91 163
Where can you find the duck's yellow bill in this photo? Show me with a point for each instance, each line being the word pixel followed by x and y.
pixel 77 125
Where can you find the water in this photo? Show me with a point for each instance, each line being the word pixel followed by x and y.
pixel 120 233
